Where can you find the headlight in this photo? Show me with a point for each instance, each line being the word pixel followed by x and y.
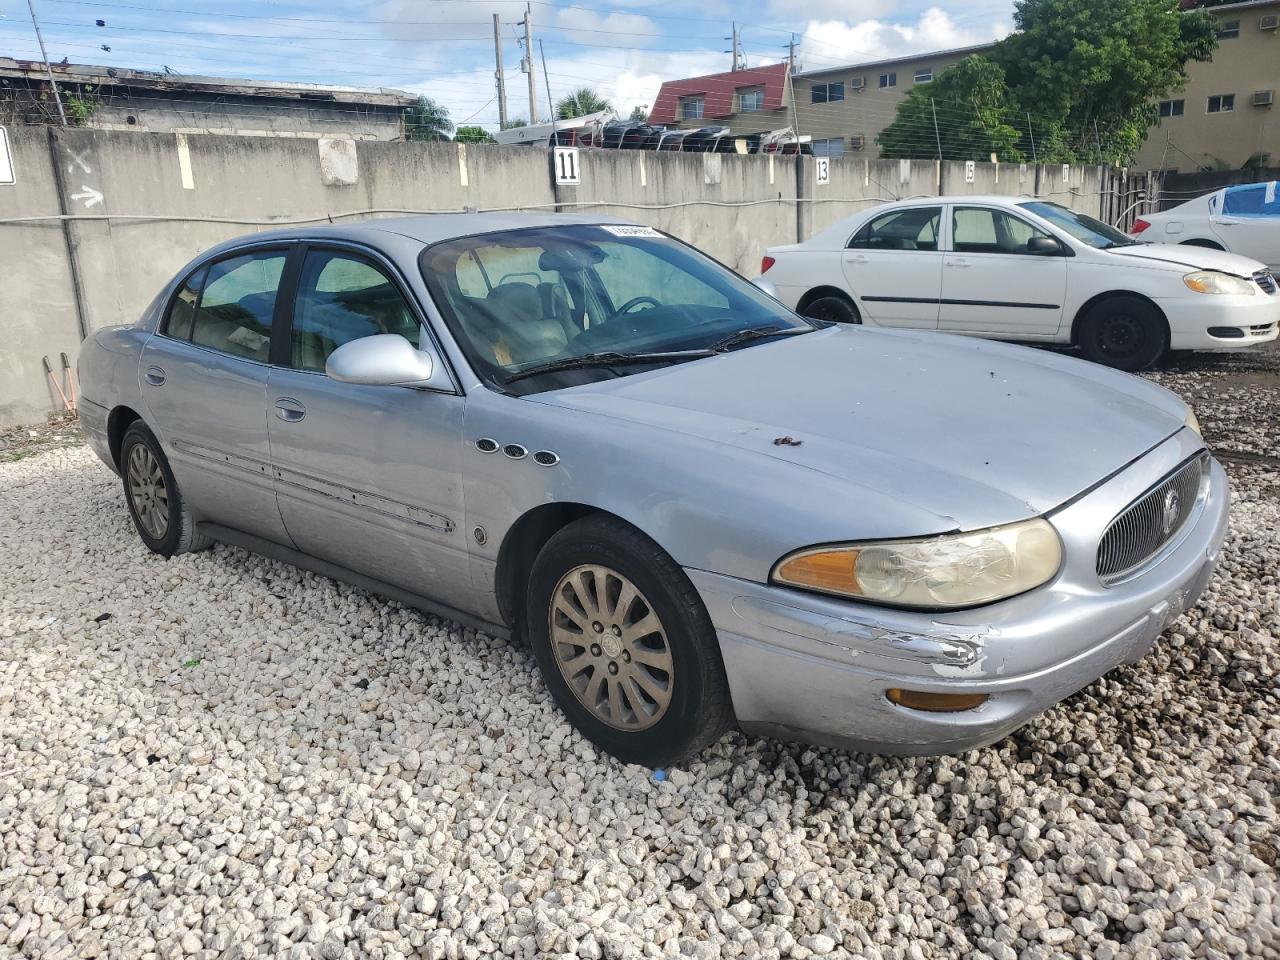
pixel 954 570
pixel 1210 281
pixel 1192 422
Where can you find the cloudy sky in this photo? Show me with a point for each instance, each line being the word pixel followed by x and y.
pixel 444 48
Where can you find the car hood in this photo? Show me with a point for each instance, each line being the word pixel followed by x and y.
pixel 1193 258
pixel 975 432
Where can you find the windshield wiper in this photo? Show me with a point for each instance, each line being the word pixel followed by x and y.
pixel 754 333
pixel 608 358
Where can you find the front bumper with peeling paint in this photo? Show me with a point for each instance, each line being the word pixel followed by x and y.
pixel 813 668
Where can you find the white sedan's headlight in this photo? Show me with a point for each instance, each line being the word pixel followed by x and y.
pixel 1192 421
pixel 953 570
pixel 1211 281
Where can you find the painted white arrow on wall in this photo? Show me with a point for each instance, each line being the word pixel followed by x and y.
pixel 91 197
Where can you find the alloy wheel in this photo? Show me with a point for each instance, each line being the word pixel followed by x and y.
pixel 147 491
pixel 611 648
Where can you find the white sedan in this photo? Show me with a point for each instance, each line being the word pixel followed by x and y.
pixel 1023 269
pixel 1243 219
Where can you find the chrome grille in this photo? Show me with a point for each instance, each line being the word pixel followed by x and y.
pixel 1151 521
pixel 1265 280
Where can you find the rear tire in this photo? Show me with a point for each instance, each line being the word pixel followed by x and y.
pixel 832 308
pixel 625 645
pixel 160 514
pixel 1125 332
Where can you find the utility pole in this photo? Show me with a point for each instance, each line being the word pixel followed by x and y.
pixel 497 73
pixel 736 47
pixel 1032 134
pixel 57 97
pixel 551 107
pixel 936 136
pixel 791 55
pixel 528 64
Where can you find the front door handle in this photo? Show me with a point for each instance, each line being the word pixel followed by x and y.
pixel 154 375
pixel 290 410
pixel 958 263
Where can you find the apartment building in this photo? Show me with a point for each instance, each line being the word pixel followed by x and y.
pixel 1225 114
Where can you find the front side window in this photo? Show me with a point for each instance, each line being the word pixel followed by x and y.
pixel 827 92
pixel 691 108
pixel 751 100
pixel 521 299
pixel 1083 227
pixel 1172 108
pixel 1221 103
pixel 888 80
pixel 985 230
pixel 237 304
pixel 915 228
pixel 343 298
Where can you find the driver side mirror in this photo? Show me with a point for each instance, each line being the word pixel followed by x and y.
pixel 1044 247
pixel 387 360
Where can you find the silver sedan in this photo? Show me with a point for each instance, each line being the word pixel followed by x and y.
pixel 697 507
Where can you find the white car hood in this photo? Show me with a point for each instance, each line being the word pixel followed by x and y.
pixel 1193 258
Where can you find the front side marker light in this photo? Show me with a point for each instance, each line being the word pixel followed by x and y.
pixel 936 702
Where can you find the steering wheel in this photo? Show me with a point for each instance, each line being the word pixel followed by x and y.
pixel 634 302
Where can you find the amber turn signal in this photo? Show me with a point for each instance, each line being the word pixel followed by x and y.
pixel 936 702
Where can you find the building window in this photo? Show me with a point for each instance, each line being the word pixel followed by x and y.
pixel 829 148
pixel 1171 108
pixel 1228 29
pixel 924 74
pixel 691 108
pixel 888 80
pixel 826 92
pixel 750 99
pixel 1222 103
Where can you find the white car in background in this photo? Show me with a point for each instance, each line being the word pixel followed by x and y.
pixel 1243 219
pixel 1014 268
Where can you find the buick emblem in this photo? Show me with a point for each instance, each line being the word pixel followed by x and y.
pixel 1170 516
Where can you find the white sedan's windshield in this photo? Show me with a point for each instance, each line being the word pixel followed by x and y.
pixel 521 300
pixel 1084 228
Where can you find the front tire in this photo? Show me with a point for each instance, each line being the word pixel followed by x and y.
pixel 832 308
pixel 1125 332
pixel 159 513
pixel 625 645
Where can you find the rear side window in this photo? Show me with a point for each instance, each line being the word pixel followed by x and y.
pixel 343 298
pixel 237 304
pixel 915 228
pixel 1254 200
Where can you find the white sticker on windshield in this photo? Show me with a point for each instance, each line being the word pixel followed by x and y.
pixel 632 231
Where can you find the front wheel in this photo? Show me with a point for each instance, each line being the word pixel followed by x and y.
pixel 832 308
pixel 1124 332
pixel 625 645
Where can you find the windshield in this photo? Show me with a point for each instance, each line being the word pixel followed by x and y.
pixel 522 299
pixel 1084 228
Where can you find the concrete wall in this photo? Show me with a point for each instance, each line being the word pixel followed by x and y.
pixel 142 205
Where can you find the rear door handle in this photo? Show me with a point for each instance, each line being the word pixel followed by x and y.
pixel 957 263
pixel 856 258
pixel 154 375
pixel 290 410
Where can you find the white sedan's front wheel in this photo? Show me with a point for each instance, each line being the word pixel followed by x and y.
pixel 1125 332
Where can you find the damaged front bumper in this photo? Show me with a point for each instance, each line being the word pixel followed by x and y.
pixel 813 668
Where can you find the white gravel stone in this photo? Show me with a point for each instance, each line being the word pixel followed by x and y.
pixel 219 756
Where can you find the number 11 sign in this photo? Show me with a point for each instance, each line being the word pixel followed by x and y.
pixel 566 162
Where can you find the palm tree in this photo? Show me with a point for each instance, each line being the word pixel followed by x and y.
pixel 581 102
pixel 427 120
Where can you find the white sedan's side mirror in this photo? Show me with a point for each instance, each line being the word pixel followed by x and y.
pixel 388 360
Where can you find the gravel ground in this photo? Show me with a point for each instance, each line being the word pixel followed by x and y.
pixel 221 756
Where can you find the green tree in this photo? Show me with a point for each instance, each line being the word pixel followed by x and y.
pixel 427 120
pixel 963 113
pixel 516 122
pixel 472 135
pixel 640 112
pixel 1080 78
pixel 581 102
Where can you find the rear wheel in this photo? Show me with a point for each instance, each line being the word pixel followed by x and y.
pixel 1124 332
pixel 832 308
pixel 625 645
pixel 159 513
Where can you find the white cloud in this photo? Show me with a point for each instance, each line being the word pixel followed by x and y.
pixel 840 10
pixel 832 42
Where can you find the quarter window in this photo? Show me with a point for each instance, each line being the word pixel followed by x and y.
pixel 236 306
pixel 983 230
pixel 827 92
pixel 1172 108
pixel 915 228
pixel 343 298
pixel 183 311
pixel 1222 103
pixel 888 80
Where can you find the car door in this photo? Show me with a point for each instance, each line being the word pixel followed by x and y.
pixel 204 382
pixel 893 266
pixel 992 284
pixel 1249 223
pixel 367 477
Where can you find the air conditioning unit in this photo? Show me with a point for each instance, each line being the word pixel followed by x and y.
pixel 857 83
pixel 1270 21
pixel 1263 98
pixel 855 143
